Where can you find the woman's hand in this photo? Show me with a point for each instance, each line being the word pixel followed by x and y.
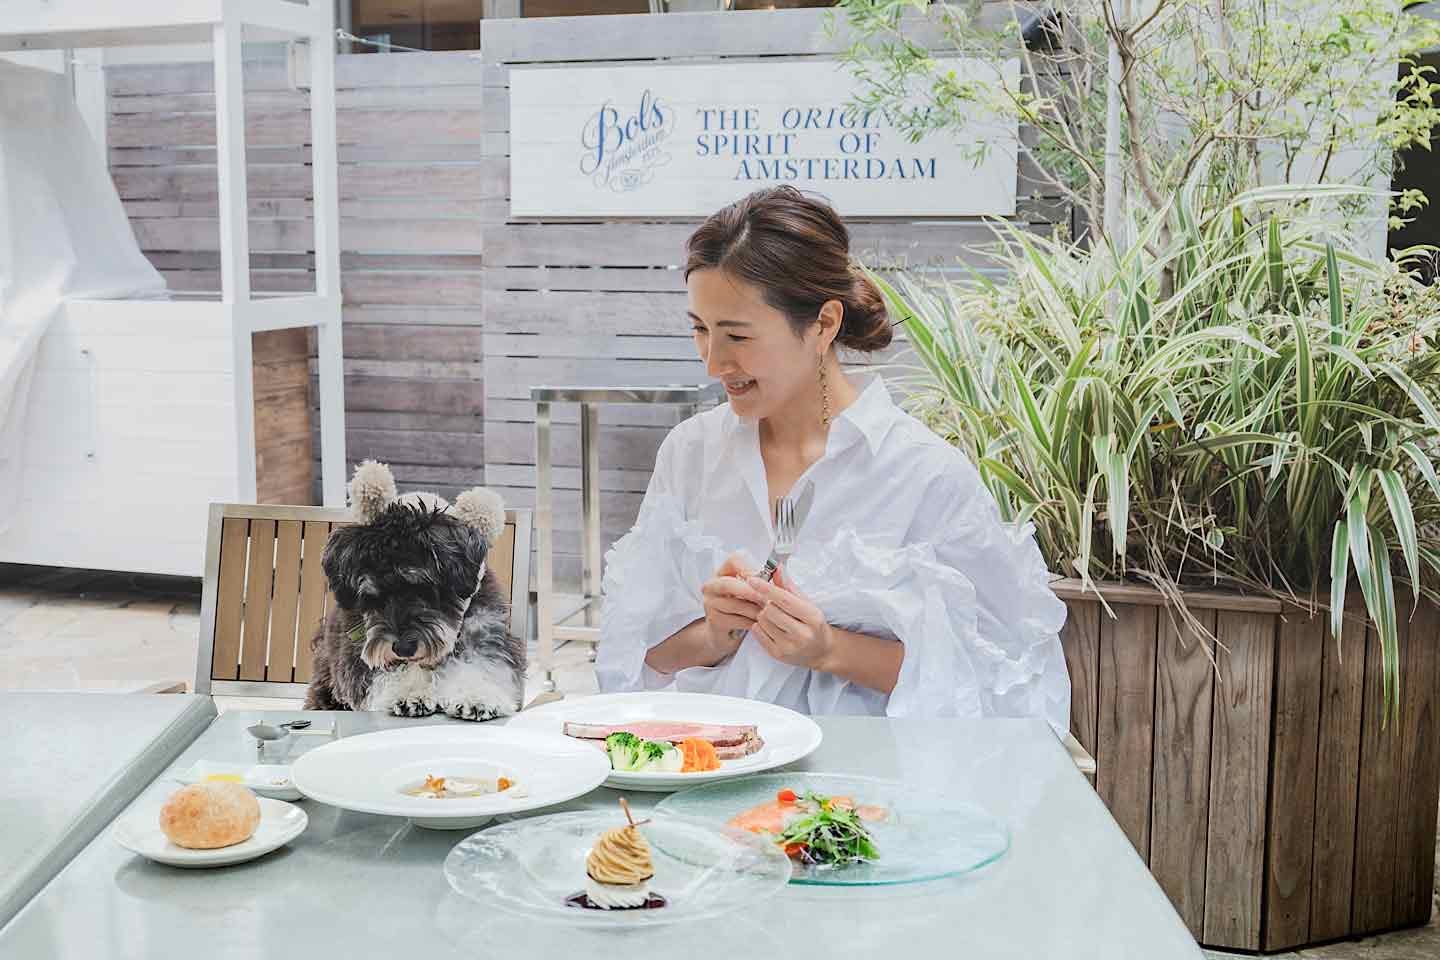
pixel 731 603
pixel 791 628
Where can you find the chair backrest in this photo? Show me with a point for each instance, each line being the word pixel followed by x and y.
pixel 265 594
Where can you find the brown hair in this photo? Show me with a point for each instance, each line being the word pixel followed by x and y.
pixel 796 249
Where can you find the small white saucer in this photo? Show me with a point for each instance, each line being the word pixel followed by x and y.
pixel 280 822
pixel 265 779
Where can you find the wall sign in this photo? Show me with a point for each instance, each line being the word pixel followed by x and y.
pixel 683 140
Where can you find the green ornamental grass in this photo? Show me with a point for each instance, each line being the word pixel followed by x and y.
pixel 1245 404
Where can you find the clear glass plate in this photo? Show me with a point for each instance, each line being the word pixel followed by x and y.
pixel 924 837
pixel 531 867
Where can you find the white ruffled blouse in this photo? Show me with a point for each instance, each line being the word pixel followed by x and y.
pixel 902 541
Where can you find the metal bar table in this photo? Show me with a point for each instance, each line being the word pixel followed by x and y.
pixel 71 762
pixel 549 627
pixel 357 885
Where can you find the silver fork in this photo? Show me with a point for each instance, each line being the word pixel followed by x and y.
pixel 786 529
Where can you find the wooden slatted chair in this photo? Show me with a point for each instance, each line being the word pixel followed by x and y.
pixel 265 594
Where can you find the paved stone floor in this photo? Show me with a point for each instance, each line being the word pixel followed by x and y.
pixel 83 630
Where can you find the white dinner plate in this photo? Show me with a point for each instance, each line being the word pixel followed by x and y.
pixel 140 832
pixel 788 735
pixel 265 779
pixel 370 773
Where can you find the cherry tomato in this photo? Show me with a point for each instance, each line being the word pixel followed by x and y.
pixel 786 796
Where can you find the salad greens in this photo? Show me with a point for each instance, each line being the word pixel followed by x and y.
pixel 828 833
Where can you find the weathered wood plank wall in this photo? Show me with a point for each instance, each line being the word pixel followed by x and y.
pixel 413 187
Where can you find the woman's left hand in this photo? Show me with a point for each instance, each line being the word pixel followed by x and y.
pixel 791 628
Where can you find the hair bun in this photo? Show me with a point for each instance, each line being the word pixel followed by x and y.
pixel 866 327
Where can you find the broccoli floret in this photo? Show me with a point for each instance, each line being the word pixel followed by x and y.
pixel 624 750
pixel 623 738
pixel 631 754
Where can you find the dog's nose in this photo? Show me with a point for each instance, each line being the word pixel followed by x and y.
pixel 405 648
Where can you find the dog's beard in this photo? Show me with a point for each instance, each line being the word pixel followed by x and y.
pixel 434 632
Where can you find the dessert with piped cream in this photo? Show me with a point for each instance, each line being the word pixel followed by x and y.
pixel 618 871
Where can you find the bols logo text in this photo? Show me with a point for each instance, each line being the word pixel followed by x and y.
pixel 621 151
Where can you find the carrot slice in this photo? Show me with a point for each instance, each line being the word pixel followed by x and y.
pixel 699 755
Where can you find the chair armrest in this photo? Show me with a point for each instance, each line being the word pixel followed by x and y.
pixel 544 698
pixel 164 686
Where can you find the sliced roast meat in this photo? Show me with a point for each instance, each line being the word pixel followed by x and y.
pixel 730 740
pixel 736 751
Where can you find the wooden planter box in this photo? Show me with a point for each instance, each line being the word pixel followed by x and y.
pixel 1263 791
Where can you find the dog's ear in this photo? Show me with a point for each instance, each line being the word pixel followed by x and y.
pixel 335 560
pixel 459 552
pixel 372 489
pixel 483 509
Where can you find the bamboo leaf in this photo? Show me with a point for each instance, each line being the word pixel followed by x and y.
pixel 1117 489
pixel 1404 517
pixel 1087 528
pixel 1414 392
pixel 1337 307
pixel 1423 464
pixel 1384 613
pixel 1032 412
pixel 1356 507
pixel 1024 493
pixel 1351 359
pixel 1172 404
pixel 1275 261
pixel 1228 441
pixel 1339 576
pixel 1060 415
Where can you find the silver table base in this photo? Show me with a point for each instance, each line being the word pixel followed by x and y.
pixel 549 626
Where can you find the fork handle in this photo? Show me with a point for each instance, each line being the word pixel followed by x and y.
pixel 767 573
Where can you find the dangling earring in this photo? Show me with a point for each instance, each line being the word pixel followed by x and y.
pixel 824 394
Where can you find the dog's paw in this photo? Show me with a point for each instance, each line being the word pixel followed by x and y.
pixel 418 706
pixel 473 710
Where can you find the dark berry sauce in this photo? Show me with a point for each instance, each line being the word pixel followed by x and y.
pixel 654 902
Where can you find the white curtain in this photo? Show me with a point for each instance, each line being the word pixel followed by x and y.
pixel 63 234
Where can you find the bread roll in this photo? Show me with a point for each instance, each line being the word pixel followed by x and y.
pixel 204 816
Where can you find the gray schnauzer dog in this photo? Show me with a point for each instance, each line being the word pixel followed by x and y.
pixel 420 626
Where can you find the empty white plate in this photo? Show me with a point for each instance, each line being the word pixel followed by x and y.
pixel 788 735
pixel 139 831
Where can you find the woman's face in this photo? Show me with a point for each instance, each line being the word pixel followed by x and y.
pixel 749 346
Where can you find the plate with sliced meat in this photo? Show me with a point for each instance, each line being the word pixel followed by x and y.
pixel 668 741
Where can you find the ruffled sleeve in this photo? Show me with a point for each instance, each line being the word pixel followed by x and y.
pixel 1017 617
pixel 652 581
pixel 971 602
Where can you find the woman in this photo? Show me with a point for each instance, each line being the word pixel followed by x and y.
pixel 906 594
